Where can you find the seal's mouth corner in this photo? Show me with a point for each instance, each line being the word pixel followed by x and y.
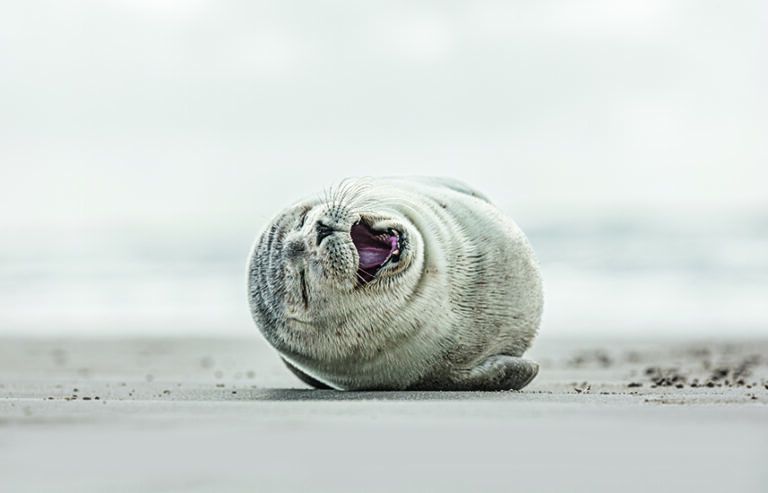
pixel 375 249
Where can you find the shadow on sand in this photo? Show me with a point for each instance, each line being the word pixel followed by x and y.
pixel 336 395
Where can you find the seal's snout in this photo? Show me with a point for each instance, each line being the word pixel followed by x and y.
pixel 374 249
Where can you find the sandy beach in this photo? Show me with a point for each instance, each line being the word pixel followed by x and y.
pixel 214 415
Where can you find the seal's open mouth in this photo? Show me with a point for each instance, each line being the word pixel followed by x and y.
pixel 375 249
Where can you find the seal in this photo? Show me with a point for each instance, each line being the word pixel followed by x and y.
pixel 398 283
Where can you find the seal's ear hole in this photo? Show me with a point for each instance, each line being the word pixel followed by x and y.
pixel 303 217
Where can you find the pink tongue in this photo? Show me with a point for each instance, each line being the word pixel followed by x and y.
pixel 375 255
pixel 372 251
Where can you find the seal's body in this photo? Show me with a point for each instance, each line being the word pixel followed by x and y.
pixel 398 283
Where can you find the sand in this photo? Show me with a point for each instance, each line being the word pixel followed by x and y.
pixel 206 415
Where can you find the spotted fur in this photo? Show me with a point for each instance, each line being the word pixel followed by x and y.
pixel 466 288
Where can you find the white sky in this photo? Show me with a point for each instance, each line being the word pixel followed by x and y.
pixel 197 112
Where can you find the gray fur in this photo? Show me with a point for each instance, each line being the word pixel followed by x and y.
pixel 456 312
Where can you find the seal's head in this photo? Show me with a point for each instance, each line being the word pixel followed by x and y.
pixel 320 264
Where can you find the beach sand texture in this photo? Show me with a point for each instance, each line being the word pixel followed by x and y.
pixel 219 415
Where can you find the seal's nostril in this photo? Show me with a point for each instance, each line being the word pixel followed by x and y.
pixel 323 231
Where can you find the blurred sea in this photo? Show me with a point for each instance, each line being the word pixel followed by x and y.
pixel 703 275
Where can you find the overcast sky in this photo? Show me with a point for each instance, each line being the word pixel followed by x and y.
pixel 202 112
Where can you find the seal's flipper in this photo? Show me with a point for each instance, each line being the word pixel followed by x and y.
pixel 305 378
pixel 500 372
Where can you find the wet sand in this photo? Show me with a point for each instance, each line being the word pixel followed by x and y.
pixel 224 415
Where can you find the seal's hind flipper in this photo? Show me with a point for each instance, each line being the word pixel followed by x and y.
pixel 500 372
pixel 305 378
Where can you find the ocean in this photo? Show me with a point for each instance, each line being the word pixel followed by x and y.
pixel 632 275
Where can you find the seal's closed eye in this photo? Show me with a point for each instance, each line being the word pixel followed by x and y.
pixel 303 217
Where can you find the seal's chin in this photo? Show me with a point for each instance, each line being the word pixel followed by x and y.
pixel 375 249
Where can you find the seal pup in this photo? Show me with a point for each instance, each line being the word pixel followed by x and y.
pixel 398 283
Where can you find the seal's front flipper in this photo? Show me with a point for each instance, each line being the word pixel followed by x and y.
pixel 500 372
pixel 312 382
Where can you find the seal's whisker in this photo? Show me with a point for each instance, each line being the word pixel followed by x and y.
pixel 334 195
pixel 339 203
pixel 327 194
pixel 361 186
pixel 322 196
pixel 344 187
pixel 345 196
pixel 355 187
